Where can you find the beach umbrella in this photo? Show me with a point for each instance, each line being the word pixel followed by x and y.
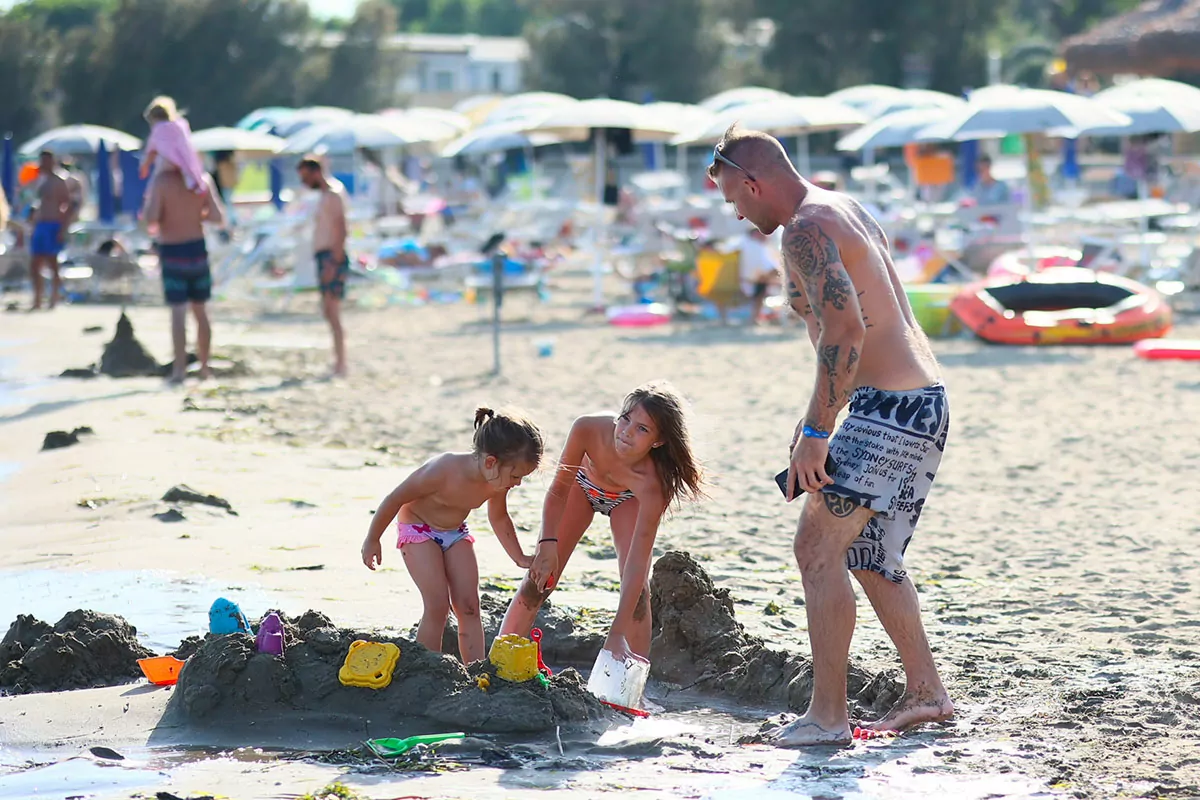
pixel 891 130
pixel 8 168
pixel 594 118
pixel 77 140
pixel 521 106
pixel 346 134
pixel 105 207
pixel 212 140
pixel 133 188
pixel 445 117
pixel 1153 106
pixel 302 118
pixel 793 116
pixel 868 97
pixel 741 96
pixel 267 116
pixel 918 98
pixel 497 138
pixel 1005 111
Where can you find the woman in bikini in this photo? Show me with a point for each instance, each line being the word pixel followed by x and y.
pixel 630 468
pixel 430 508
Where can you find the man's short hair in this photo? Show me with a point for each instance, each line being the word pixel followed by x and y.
pixel 46 154
pixel 734 144
pixel 984 159
pixel 309 163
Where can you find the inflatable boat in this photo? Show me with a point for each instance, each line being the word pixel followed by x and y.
pixel 1062 305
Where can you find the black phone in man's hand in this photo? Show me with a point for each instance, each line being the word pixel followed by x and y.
pixel 781 478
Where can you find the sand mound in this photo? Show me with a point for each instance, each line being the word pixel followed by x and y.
pixel 85 649
pixel 698 644
pixel 227 679
pixel 125 356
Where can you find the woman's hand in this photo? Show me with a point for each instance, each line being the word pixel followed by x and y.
pixel 544 567
pixel 372 552
pixel 523 561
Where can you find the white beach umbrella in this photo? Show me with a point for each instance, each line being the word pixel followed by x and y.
pixel 1001 112
pixel 793 116
pixel 741 96
pixel 1153 105
pixel 211 140
pixel 496 138
pixel 523 105
pixel 302 118
pixel 918 98
pixel 868 97
pixel 442 124
pixel 346 134
pixel 892 130
pixel 576 120
pixel 77 140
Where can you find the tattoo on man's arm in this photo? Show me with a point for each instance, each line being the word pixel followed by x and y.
pixel 851 359
pixel 829 363
pixel 836 291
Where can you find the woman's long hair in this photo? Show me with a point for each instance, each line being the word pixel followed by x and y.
pixel 679 470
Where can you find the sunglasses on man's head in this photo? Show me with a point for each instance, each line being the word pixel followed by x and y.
pixel 718 156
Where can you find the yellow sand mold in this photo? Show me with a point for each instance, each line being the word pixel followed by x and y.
pixel 369 664
pixel 514 657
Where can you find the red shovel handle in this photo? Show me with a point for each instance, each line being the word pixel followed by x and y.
pixel 536 635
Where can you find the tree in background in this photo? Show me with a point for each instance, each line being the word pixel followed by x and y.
pixel 623 49
pixel 27 76
pixel 62 15
pixel 361 73
pixel 823 45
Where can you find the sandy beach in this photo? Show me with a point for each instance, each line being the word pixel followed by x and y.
pixel 1055 559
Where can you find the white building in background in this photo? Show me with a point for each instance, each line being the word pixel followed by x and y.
pixel 441 69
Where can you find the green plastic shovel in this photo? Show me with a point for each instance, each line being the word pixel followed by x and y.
pixel 391 748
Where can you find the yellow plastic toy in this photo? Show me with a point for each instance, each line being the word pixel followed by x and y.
pixel 483 683
pixel 369 664
pixel 514 657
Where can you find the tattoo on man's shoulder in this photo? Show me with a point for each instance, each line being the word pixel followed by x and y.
pixel 810 249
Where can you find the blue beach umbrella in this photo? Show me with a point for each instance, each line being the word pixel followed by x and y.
pixel 106 208
pixel 8 170
pixel 133 188
pixel 276 171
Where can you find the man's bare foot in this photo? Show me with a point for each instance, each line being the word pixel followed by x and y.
pixel 205 372
pixel 176 378
pixel 339 371
pixel 803 733
pixel 915 707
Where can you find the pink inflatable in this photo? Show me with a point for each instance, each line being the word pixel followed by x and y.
pixel 1168 349
pixel 639 316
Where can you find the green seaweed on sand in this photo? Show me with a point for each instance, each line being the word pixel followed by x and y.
pixel 335 791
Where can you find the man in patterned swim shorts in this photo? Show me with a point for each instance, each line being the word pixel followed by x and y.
pixel 860 512
pixel 176 216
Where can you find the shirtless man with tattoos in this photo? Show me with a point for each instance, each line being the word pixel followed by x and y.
pixel 872 356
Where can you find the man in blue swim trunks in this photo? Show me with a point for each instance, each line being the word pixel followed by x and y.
pixel 329 248
pixel 54 214
pixel 874 360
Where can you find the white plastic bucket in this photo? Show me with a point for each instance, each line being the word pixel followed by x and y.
pixel 621 684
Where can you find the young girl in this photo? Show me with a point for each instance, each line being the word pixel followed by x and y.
pixel 630 468
pixel 171 140
pixel 431 507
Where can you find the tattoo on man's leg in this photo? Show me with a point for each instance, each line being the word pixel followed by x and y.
pixel 839 506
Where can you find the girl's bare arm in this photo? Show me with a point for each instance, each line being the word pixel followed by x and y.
pixel 506 532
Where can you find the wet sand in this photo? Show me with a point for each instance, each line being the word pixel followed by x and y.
pixel 1054 560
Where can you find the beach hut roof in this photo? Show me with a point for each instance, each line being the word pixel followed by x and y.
pixel 1159 37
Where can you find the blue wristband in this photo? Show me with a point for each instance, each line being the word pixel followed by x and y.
pixel 813 433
